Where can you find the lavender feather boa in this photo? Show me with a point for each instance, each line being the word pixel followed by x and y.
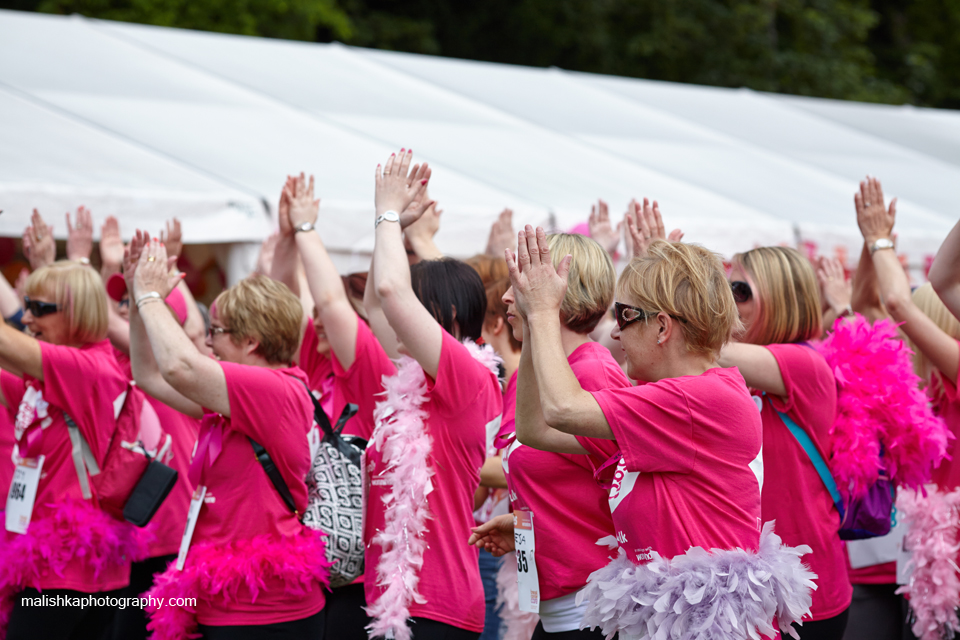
pixel 402 437
pixel 720 595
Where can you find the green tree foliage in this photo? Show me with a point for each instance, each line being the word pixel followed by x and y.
pixel 874 50
pixel 290 19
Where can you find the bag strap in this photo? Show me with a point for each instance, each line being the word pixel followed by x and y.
pixel 83 458
pixel 263 457
pixel 274 474
pixel 818 462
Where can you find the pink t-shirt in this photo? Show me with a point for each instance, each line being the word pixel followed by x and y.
pixel 464 398
pixel 570 509
pixel 793 493
pixel 271 406
pixel 168 522
pixel 691 467
pixel 84 382
pixel 319 370
pixel 6 452
pixel 166 526
pixel 947 406
pixel 362 382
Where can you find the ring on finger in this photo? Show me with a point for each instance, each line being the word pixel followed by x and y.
pixel 866 204
pixel 151 259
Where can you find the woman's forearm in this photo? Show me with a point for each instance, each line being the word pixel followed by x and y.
pixel 945 271
pixel 892 283
pixel 330 298
pixel 565 405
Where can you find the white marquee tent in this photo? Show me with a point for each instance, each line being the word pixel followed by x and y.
pixel 145 123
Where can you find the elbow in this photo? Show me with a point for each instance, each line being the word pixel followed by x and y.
pixel 938 280
pixel 387 288
pixel 897 304
pixel 554 414
pixel 176 373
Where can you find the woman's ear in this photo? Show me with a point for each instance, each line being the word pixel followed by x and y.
pixel 499 325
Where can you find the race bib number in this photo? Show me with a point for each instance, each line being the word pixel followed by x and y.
pixel 23 493
pixel 528 582
pixel 195 503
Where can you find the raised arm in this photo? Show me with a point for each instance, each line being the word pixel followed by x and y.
pixel 539 291
pixel 415 327
pixel 532 429
pixel 865 298
pixel 835 291
pixel 945 271
pixel 420 234
pixel 757 365
pixel 38 244
pixel 191 374
pixel 876 224
pixel 333 307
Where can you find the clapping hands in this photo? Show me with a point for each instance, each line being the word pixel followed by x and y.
pixel 400 189
pixel 874 219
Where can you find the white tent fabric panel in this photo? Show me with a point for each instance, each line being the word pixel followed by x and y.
pixel 934 132
pixel 150 120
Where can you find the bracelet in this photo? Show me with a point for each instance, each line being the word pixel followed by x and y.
pixel 84 261
pixel 150 295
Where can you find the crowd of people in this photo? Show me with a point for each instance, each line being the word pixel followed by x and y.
pixel 551 450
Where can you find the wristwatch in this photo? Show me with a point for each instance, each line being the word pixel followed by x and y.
pixel 305 226
pixel 882 243
pixel 387 216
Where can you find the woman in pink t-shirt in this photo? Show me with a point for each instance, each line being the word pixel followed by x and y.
pixel 557 489
pixel 687 447
pixel 423 461
pixel 62 544
pixel 779 303
pixel 251 566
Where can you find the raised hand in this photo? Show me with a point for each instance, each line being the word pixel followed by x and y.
pixel 131 256
pixel 397 187
pixel 302 205
pixel 153 272
pixel 836 289
pixel 875 220
pixel 172 239
pixel 538 287
pixel 38 243
pixel 111 244
pixel 502 234
pixel 80 237
pixel 425 223
pixel 21 284
pixel 283 208
pixel 645 226
pixel 601 229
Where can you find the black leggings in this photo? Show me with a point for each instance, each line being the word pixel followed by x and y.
pixel 59 622
pixel 829 629
pixel 130 623
pixel 346 618
pixel 426 629
pixel 304 629
pixel 576 634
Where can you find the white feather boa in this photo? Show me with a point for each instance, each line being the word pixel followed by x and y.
pixel 720 595
pixel 403 440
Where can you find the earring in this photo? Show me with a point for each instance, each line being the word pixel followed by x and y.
pixel 659 340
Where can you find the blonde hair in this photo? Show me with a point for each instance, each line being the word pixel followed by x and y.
pixel 265 310
pixel 688 283
pixel 79 293
pixel 787 294
pixel 929 302
pixel 590 282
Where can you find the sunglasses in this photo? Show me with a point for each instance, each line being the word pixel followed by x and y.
pixel 39 309
pixel 626 315
pixel 741 291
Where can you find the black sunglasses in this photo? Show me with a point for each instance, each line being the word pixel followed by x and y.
pixel 626 315
pixel 741 291
pixel 39 309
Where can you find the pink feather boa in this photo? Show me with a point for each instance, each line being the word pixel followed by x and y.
pixel 515 624
pixel 67 531
pixel 402 438
pixel 932 537
pixel 720 595
pixel 879 404
pixel 219 570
